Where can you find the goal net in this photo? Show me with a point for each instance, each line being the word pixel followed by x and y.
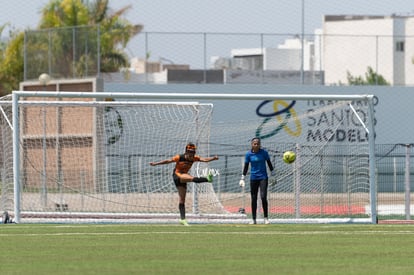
pixel 84 157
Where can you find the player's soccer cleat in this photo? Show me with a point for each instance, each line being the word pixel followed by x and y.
pixel 253 222
pixel 184 222
pixel 266 221
pixel 210 177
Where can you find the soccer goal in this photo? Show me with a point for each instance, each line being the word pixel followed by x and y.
pixel 84 157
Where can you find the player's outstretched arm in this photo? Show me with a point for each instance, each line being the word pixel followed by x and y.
pixel 165 161
pixel 209 159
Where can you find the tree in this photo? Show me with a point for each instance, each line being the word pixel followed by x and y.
pixel 2 49
pixel 11 62
pixel 115 33
pixel 371 78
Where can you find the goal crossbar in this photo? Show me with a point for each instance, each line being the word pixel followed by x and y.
pixel 176 96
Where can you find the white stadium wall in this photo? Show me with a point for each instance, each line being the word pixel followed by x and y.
pixel 393 107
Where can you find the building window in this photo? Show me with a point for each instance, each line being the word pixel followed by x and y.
pixel 399 46
pixel 248 62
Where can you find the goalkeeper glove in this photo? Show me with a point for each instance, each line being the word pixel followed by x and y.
pixel 241 182
pixel 273 173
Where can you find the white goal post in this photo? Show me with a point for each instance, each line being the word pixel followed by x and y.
pixel 84 157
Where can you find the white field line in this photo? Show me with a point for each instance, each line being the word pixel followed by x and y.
pixel 298 233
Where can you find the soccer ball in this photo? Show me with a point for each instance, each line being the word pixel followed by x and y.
pixel 44 79
pixel 289 156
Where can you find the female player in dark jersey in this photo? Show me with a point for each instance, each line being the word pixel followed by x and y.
pixel 183 163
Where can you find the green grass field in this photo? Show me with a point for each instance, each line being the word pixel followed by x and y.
pixel 206 249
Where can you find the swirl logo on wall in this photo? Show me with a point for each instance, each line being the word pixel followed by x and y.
pixel 282 116
pixel 114 126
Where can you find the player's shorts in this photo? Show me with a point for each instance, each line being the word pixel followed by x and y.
pixel 177 181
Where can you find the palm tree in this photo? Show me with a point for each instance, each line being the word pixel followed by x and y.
pixel 114 33
pixel 56 53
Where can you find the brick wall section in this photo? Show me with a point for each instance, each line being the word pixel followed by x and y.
pixel 69 141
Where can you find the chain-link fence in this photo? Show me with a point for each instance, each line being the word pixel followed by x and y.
pixel 394 180
pixel 238 57
pixel 62 52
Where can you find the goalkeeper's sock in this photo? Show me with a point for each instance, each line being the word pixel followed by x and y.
pixel 181 207
pixel 265 208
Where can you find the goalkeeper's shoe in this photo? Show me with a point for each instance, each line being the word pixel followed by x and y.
pixel 210 177
pixel 184 222
pixel 253 222
pixel 266 221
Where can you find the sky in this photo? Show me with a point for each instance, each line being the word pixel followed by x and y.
pixel 259 16
pixel 218 16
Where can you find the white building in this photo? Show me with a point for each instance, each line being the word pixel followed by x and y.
pixel 354 43
pixel 346 44
pixel 285 57
pixel 279 65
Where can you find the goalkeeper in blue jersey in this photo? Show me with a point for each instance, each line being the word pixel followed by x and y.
pixel 257 158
